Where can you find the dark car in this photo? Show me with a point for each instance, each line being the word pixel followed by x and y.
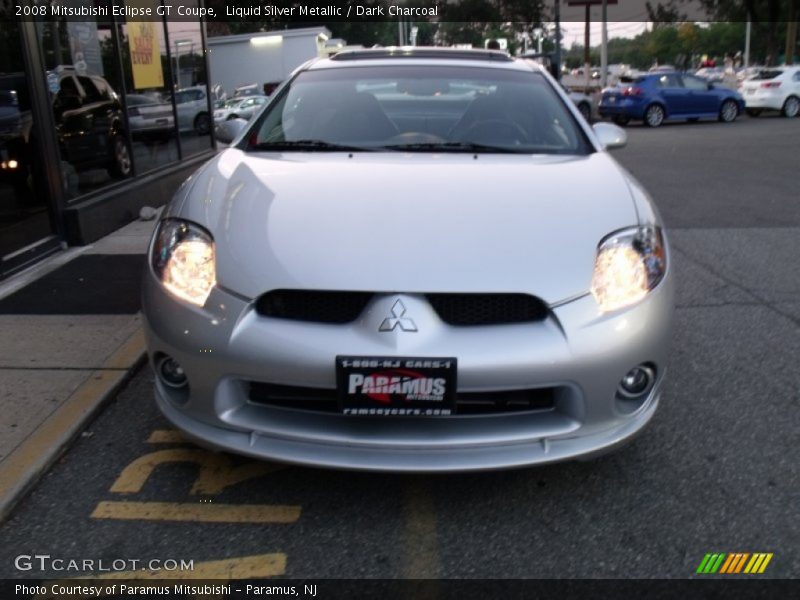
pixel 657 97
pixel 15 129
pixel 90 124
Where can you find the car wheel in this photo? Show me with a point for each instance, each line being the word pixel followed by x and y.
pixel 202 124
pixel 586 111
pixel 122 166
pixel 621 121
pixel 753 112
pixel 728 111
pixel 791 107
pixel 654 115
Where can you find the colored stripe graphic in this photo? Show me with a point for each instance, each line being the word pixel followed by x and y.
pixel 703 563
pixel 764 564
pixel 727 565
pixel 734 563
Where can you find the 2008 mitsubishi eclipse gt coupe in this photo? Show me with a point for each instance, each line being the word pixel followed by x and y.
pixel 411 260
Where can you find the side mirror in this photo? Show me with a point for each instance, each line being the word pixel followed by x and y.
pixel 610 136
pixel 711 86
pixel 227 131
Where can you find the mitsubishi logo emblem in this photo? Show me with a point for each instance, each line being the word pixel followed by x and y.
pixel 398 319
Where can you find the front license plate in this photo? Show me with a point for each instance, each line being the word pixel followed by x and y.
pixel 396 386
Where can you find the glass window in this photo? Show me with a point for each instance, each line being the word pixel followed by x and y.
pixel 695 83
pixel 668 81
pixel 24 215
pixel 421 109
pixel 146 73
pixel 185 40
pixel 83 76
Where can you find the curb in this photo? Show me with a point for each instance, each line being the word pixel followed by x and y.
pixel 23 468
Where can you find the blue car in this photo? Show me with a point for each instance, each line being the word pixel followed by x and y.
pixel 657 97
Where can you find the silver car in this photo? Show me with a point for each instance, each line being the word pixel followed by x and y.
pixel 412 260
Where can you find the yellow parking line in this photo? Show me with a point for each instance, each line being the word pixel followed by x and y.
pixel 216 471
pixel 167 436
pixel 220 571
pixel 198 512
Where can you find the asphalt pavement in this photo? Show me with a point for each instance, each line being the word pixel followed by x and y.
pixel 716 471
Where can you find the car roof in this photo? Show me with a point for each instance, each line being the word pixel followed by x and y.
pixel 421 55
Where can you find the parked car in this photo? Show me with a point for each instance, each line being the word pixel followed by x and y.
pixel 90 124
pixel 773 88
pixel 453 277
pixel 239 108
pixel 583 102
pixel 149 116
pixel 16 124
pixel 192 105
pixel 658 97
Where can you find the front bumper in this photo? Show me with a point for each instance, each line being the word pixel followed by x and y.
pixel 227 344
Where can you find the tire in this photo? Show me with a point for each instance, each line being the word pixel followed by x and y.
pixel 121 166
pixel 654 115
pixel 586 111
pixel 621 121
pixel 752 112
pixel 202 124
pixel 791 108
pixel 728 111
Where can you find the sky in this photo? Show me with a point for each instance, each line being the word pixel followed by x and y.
pixel 572 31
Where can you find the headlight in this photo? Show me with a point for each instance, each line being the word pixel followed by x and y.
pixel 183 259
pixel 629 264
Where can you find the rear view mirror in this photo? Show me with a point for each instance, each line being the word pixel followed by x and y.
pixel 610 136
pixel 227 131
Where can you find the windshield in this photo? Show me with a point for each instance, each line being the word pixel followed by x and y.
pixel 767 74
pixel 419 109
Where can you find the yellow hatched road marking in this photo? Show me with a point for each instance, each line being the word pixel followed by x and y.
pixel 244 567
pixel 202 513
pixel 764 564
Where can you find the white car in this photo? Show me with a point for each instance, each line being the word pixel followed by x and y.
pixel 239 108
pixel 192 104
pixel 773 88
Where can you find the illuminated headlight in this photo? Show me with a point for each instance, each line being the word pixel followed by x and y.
pixel 629 264
pixel 182 257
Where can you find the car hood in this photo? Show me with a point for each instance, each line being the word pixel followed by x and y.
pixel 410 222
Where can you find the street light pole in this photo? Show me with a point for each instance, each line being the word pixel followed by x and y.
pixel 604 48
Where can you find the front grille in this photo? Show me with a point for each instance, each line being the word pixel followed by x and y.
pixel 487 309
pixel 454 309
pixel 312 305
pixel 325 400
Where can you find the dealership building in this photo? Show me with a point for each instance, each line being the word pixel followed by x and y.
pixel 98 118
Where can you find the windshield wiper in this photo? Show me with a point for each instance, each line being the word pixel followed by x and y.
pixel 453 147
pixel 317 145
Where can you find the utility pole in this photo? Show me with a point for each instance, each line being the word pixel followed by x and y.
pixel 747 44
pixel 557 56
pixel 604 48
pixel 791 34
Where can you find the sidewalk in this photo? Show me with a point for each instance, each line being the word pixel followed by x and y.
pixel 70 336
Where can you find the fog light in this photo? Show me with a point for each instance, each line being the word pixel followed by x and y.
pixel 637 382
pixel 171 372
